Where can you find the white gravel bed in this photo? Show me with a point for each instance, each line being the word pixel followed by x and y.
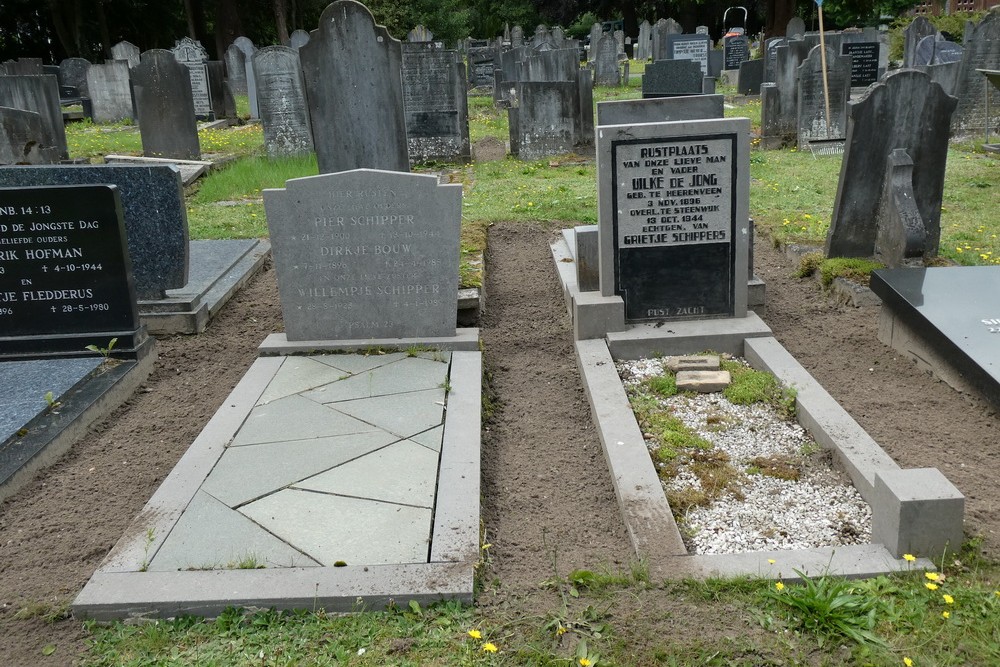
pixel 820 509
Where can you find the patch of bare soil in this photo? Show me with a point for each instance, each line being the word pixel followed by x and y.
pixel 548 502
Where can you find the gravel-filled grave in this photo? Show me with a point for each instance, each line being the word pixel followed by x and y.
pixel 741 475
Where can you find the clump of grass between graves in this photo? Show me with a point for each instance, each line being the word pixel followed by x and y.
pixel 852 268
pixel 750 386
pixel 809 264
pixel 777 466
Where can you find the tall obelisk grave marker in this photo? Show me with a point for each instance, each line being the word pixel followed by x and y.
pixel 674 218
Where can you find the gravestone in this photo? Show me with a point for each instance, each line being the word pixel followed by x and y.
pixel 795 28
pixel 901 237
pixel 482 65
pixel 367 128
pixel 247 48
pixel 690 47
pixel 813 123
pixel 165 107
pixel 73 74
pixel 735 50
pixel 126 51
pixel 864 62
pixel 750 77
pixel 660 110
pixel 435 104
pixel 67 279
pixel 788 58
pixel 282 102
pixel 770 55
pixel 236 72
pixel 556 65
pixel 606 72
pixel 558 37
pixel 155 216
pixel 596 31
pixel 673 202
pixel 218 89
pixel 298 39
pixel 547 119
pixel 936 50
pixel 366 254
pixel 661 30
pixel 665 78
pixel 920 112
pixel 982 52
pixel 542 38
pixel 772 131
pixel 919 28
pixel 21 138
pixel 192 54
pixel 23 67
pixel 110 93
pixel 701 30
pixel 39 94
pixel 419 34
pixel 642 49
pixel 516 37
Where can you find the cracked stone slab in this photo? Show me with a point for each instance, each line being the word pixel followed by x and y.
pixel 406 375
pixel 417 412
pixel 295 418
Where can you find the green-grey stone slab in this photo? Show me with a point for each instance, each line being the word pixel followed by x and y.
pixel 359 363
pixel 410 374
pixel 355 531
pixel 298 374
pixel 430 438
pixel 404 473
pixel 295 418
pixel 251 471
pixel 415 412
pixel 209 535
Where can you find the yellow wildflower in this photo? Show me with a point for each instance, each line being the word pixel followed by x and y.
pixel 475 634
pixel 561 630
pixel 931 587
pixel 907 662
pixel 771 561
pixel 779 586
pixel 933 576
pixel 945 614
pixel 584 662
pixel 909 557
pixel 948 599
pixel 489 647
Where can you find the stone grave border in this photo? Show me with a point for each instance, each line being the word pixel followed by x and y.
pixel 908 506
pixel 91 399
pixel 120 588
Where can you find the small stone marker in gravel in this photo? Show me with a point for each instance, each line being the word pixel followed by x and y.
pixel 699 362
pixel 703 382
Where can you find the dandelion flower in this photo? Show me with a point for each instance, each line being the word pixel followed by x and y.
pixel 945 614
pixel 909 557
pixel 490 647
pixel 584 662
pixel 933 576
pixel 779 586
pixel 907 662
pixel 948 599
pixel 771 561
pixel 561 630
pixel 475 634
pixel 931 587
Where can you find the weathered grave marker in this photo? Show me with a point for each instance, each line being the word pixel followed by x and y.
pixel 674 210
pixel 39 94
pixel 982 52
pixel 126 51
pixel 366 254
pixel 435 103
pixel 236 72
pixel 282 101
pixel 21 140
pixel 73 74
pixel 661 31
pixel 660 110
pixel 298 39
pixel 606 72
pixel 919 28
pixel 247 48
pixel 813 123
pixel 165 106
pixel 690 47
pixel 192 54
pixel 901 237
pixel 110 93
pixel 367 128
pixel 66 281
pixel 750 77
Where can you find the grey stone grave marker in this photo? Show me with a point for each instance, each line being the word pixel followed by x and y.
pixel 367 128
pixel 982 52
pixel 542 37
pixel 555 65
pixel 735 50
pixel 813 123
pixel 155 216
pixel 788 58
pixel 660 110
pixel 936 50
pixel 39 94
pixel 419 34
pixel 110 93
pixel 435 104
pixel 192 54
pixel 217 86
pixel 750 77
pixel 67 280
pixel 606 72
pixel 596 31
pixel 21 138
pixel 247 48
pixel 662 29
pixel 366 254
pixel 665 78
pixel 282 102
pixel 901 238
pixel 165 107
pixel 641 50
pixel 558 37
pixel 23 67
pixel 482 65
pixel 919 28
pixel 547 119
pixel 920 112
pixel 73 73
pixel 690 47
pixel 516 37
pixel 298 39
pixel 770 55
pixel 673 202
pixel 236 72
pixel 701 30
pixel 126 51
pixel 795 28
pixel 864 62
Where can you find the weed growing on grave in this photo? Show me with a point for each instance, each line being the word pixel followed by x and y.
pixel 53 404
pixel 150 538
pixel 103 351
pixel 752 386
pixel 809 264
pixel 248 562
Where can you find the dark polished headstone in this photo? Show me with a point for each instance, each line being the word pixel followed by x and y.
pixel 735 50
pixel 67 279
pixel 155 216
pixel 667 78
pixel 864 62
pixel 436 104
pixel 281 98
pixel 750 77
pixel 955 310
pixel 482 64
pixel 660 110
pixel 39 94
pixel 365 127
pixel 920 112
pixel 673 202
pixel 165 106
pixel 21 139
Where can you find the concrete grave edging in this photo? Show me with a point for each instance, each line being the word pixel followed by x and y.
pixel 121 588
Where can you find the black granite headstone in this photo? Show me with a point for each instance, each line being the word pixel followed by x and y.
pixel 864 62
pixel 165 107
pixel 482 63
pixel 66 281
pixel 666 78
pixel 735 50
pixel 750 77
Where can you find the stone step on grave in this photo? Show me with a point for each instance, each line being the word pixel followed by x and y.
pixel 703 382
pixel 694 362
pixel 191 170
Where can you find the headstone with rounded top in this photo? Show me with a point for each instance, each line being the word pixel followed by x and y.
pixel 282 101
pixel 298 39
pixel 247 48
pixel 165 106
pixel 126 51
pixel 795 28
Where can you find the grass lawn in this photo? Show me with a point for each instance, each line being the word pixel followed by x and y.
pixel 883 621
